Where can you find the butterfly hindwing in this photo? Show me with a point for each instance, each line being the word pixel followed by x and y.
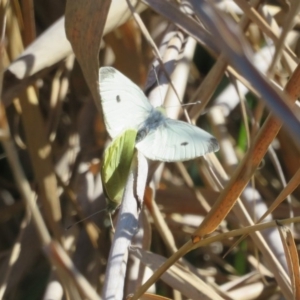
pixel 177 141
pixel 116 166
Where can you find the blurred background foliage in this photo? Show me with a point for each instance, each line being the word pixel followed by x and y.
pixel 59 137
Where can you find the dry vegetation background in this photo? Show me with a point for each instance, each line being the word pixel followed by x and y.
pixel 53 138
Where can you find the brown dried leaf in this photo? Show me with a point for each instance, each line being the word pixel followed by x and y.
pixel 85 20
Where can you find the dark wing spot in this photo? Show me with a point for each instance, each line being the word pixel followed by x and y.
pixel 107 72
pixel 118 98
pixel 184 144
pixel 214 145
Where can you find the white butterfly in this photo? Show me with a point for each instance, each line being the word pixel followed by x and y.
pixel 159 138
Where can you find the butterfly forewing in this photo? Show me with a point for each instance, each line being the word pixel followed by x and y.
pixel 124 104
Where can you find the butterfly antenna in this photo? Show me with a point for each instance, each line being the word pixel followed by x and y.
pixel 156 77
pixel 175 91
pixel 186 104
pixel 95 213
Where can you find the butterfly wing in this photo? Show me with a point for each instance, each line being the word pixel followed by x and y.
pixel 177 141
pixel 124 104
pixel 116 166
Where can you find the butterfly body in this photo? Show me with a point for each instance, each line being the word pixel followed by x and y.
pixel 153 121
pixel 159 138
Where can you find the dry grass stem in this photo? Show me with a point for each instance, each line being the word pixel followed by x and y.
pixel 215 227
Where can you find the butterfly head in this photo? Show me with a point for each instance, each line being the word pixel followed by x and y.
pixel 161 109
